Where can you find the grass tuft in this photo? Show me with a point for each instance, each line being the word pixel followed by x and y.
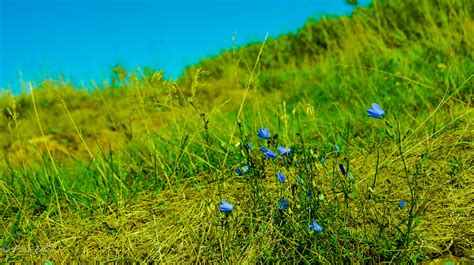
pixel 134 171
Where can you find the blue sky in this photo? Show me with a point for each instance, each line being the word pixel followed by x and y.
pixel 83 39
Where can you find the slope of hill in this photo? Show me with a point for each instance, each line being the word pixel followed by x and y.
pixel 136 171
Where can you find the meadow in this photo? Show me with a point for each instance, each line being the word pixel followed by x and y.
pixel 268 153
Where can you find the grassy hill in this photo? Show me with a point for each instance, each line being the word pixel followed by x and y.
pixel 136 170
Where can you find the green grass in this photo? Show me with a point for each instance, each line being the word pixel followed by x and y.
pixel 135 171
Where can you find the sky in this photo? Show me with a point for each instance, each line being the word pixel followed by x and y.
pixel 83 39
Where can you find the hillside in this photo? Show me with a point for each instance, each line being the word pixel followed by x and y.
pixel 135 171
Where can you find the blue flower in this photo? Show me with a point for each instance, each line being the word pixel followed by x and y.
pixel 226 207
pixel 267 152
pixel 376 111
pixel 343 171
pixel 249 146
pixel 263 133
pixel 270 154
pixel 309 193
pixel 242 170
pixel 337 148
pixel 402 203
pixel 283 151
pixel 281 177
pixel 282 205
pixel 315 227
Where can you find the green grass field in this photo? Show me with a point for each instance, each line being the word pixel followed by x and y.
pixel 135 170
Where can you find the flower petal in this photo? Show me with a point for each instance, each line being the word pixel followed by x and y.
pixel 283 150
pixel 315 227
pixel 268 153
pixel 226 206
pixel 281 177
pixel 263 133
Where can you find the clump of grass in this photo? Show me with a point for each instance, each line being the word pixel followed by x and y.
pixel 136 171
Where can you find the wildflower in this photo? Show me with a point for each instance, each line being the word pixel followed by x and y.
pixel 343 171
pixel 270 154
pixel 376 111
pixel 402 203
pixel 249 146
pixel 281 177
pixel 283 151
pixel 226 206
pixel 309 193
pixel 282 205
pixel 242 170
pixel 267 152
pixel 263 133
pixel 315 227
pixel 337 148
